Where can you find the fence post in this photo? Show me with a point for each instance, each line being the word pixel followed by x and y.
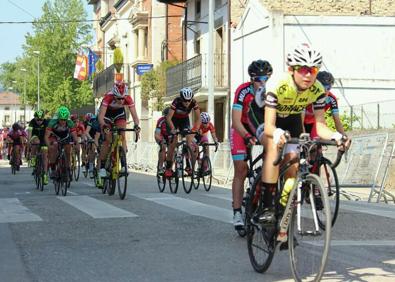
pixel 378 116
pixel 361 117
pixel 351 116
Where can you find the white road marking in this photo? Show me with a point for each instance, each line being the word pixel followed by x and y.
pixel 12 210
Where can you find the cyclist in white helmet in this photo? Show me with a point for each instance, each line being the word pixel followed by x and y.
pixel 286 99
pixel 205 127
pixel 178 118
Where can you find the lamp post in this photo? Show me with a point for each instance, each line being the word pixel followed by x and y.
pixel 14 82
pixel 24 95
pixel 38 78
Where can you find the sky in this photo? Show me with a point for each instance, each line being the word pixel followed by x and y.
pixel 13 35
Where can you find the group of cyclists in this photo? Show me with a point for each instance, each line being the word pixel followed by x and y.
pixel 264 112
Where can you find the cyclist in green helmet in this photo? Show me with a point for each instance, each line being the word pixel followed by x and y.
pixel 36 133
pixel 60 128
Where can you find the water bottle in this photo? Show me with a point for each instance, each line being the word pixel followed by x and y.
pixel 289 184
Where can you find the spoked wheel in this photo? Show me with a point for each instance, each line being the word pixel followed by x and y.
pixel 122 181
pixel 188 166
pixel 76 166
pixel 106 183
pixel 196 174
pixel 85 172
pixel 64 181
pixel 160 179
pixel 39 174
pixel 111 186
pixel 329 178
pixel 261 237
pixel 206 173
pixel 174 180
pixel 309 245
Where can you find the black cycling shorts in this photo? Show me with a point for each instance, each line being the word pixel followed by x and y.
pixel 291 123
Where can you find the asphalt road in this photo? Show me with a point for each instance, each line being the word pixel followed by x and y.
pixel 152 236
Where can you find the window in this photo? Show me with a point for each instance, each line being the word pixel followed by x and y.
pixel 6 119
pixel 7 108
pixel 197 46
pixel 22 118
pixel 198 6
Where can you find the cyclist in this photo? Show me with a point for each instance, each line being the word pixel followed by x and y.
pixel 112 110
pixel 92 132
pixel 60 127
pixel 36 132
pixel 285 101
pixel 178 118
pixel 205 127
pixel 80 129
pixel 17 137
pixel 327 80
pixel 162 138
pixel 241 133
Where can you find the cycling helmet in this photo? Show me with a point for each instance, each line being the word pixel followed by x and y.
pixel 88 116
pixel 326 78
pixel 119 89
pixel 63 113
pixel 73 117
pixel 165 111
pixel 39 114
pixel 15 126
pixel 304 55
pixel 260 68
pixel 205 117
pixel 186 94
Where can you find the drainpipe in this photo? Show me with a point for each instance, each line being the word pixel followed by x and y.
pixel 229 70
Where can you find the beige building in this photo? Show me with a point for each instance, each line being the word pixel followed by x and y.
pixel 12 110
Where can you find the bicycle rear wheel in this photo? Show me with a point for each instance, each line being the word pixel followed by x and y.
pixel 160 179
pixel 187 163
pixel 308 245
pixel 329 178
pixel 76 165
pixel 122 181
pixel 207 173
pixel 260 236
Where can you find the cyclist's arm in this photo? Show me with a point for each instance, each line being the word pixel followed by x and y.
pixel 323 130
pixel 135 117
pixel 97 137
pixel 102 113
pixel 168 119
pixel 236 122
pixel 46 136
pixel 158 136
pixel 270 121
pixel 86 132
pixel 302 115
pixel 29 133
pixel 196 126
pixel 75 139
pixel 215 139
pixel 338 124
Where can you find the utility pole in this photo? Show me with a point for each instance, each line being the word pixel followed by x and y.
pixel 24 96
pixel 210 61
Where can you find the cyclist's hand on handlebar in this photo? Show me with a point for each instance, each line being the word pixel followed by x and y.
pixel 249 140
pixel 279 137
pixel 343 142
pixel 173 131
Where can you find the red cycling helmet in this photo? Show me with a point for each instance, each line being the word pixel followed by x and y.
pixel 73 117
pixel 119 89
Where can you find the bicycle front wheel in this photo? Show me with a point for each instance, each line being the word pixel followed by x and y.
pixel 188 167
pixel 260 236
pixel 160 178
pixel 76 166
pixel 329 178
pixel 122 181
pixel 308 244
pixel 207 173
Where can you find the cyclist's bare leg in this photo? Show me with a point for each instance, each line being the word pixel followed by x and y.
pixel 18 149
pixel 44 151
pixel 105 147
pixel 172 147
pixel 68 149
pixel 240 174
pixel 52 155
pixel 162 155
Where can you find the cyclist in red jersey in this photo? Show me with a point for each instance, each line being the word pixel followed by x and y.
pixel 178 118
pixel 205 127
pixel 112 110
pixel 80 129
pixel 327 80
pixel 162 138
pixel 17 137
pixel 241 135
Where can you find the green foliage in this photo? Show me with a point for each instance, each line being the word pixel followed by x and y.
pixel 99 66
pixel 344 118
pixel 118 59
pixel 153 84
pixel 58 43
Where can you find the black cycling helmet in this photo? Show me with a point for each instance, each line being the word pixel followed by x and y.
pixel 260 68
pixel 15 126
pixel 165 111
pixel 326 78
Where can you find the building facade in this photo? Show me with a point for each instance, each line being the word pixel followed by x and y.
pixel 12 110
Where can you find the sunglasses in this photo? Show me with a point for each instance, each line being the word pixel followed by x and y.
pixel 120 98
pixel 39 119
pixel 262 78
pixel 304 70
pixel 61 119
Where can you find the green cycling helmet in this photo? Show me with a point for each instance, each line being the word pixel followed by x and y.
pixel 39 114
pixel 63 113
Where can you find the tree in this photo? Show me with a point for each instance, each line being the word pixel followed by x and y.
pixel 153 84
pixel 344 118
pixel 58 35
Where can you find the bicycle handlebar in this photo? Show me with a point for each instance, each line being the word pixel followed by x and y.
pixel 210 144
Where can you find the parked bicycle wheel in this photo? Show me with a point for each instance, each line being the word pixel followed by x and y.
pixel 261 239
pixel 308 249
pixel 206 173
pixel 329 178
pixel 122 181
pixel 188 168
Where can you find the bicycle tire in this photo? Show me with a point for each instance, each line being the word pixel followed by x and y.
pixel 264 233
pixel 312 259
pixel 105 185
pixel 184 176
pixel 196 175
pixel 160 179
pixel 327 172
pixel 174 180
pixel 122 185
pixel 76 166
pixel 207 175
pixel 13 161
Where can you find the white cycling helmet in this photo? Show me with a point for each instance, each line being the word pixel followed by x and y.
pixel 205 117
pixel 186 93
pixel 304 55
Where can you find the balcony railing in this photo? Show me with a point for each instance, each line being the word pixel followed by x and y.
pixel 104 81
pixel 193 73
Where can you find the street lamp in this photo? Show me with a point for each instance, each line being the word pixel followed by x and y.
pixel 24 95
pixel 38 78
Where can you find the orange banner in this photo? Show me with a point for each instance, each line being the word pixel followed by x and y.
pixel 81 67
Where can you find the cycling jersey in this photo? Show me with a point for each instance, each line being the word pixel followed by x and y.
pixel 287 100
pixel 80 128
pixel 243 96
pixel 60 131
pixel 204 128
pixel 330 104
pixel 182 111
pixel 162 127
pixel 16 136
pixel 94 126
pixel 38 129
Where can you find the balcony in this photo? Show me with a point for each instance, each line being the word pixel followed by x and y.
pixel 193 73
pixel 103 81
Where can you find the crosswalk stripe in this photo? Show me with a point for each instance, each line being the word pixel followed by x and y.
pixel 12 210
pixel 189 206
pixel 96 208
